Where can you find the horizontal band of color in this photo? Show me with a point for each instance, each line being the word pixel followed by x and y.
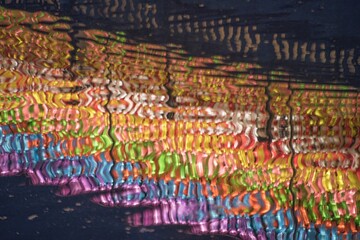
pixel 130 173
pixel 191 211
pixel 161 165
pixel 272 225
pixel 66 118
pixel 135 151
pixel 166 163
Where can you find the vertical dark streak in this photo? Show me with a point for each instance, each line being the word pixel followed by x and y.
pixel 73 53
pixel 108 76
pixel 268 109
pixel 168 85
pixel 293 193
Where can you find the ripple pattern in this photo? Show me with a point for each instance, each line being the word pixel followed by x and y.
pixel 201 141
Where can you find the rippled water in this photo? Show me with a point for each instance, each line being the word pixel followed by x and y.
pixel 192 117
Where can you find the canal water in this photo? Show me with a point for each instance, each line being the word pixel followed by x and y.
pixel 179 119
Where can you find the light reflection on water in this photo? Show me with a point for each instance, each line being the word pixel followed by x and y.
pixel 220 145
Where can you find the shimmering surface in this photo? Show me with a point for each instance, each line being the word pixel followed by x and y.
pixel 219 145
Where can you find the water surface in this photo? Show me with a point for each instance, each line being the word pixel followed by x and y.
pixel 179 119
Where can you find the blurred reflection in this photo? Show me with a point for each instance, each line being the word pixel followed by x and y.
pixel 222 145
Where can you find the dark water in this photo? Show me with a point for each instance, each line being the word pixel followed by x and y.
pixel 179 119
pixel 37 213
